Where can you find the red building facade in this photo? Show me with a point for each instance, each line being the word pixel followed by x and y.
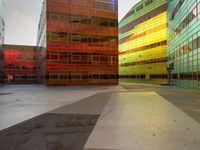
pixel 78 42
pixel 20 64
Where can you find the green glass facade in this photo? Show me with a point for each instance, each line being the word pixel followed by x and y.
pixel 142 43
pixel 2 30
pixel 184 42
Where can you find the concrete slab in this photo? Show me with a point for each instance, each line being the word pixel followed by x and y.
pixel 93 105
pixel 49 132
pixel 19 103
pixel 143 121
pixel 66 128
pixel 187 100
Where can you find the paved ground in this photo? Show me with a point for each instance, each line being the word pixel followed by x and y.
pixel 66 128
pixel 143 121
pixel 185 99
pixel 21 102
pixel 28 101
pixel 26 105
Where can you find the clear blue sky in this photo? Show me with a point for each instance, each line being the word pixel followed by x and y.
pixel 22 17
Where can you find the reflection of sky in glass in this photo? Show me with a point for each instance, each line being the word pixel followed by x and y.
pixel 30 11
pixel 113 4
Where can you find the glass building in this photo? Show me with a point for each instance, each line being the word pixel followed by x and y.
pixel 78 42
pixel 2 30
pixel 20 64
pixel 184 42
pixel 142 43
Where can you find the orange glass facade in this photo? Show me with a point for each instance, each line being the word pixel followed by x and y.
pixel 20 63
pixel 80 44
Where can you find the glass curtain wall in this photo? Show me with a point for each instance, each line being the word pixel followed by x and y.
pixel 81 42
pixel 2 31
pixel 20 64
pixel 184 42
pixel 143 42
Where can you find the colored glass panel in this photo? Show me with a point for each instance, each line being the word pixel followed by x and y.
pixel 81 45
pixel 143 43
pixel 184 43
pixel 20 64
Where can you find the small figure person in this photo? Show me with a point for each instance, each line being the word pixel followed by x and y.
pixel 10 78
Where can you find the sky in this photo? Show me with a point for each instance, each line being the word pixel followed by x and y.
pixel 22 18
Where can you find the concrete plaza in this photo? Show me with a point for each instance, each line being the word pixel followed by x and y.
pixel 127 116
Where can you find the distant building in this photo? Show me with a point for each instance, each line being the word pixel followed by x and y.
pixel 2 31
pixel 20 64
pixel 78 42
pixel 184 43
pixel 143 43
